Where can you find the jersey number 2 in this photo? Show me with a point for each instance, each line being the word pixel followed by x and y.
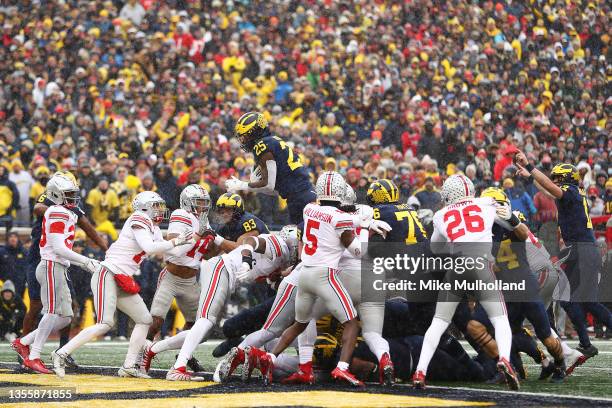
pixel 468 216
pixel 311 241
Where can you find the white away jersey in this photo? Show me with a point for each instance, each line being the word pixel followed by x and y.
pixel 348 260
pixel 470 220
pixel 323 226
pixel 181 221
pixel 125 255
pixel 537 256
pixel 262 265
pixel 57 220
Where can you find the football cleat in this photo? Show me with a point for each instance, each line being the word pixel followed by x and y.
pixel 251 357
pixel 195 365
pixel 546 371
pixel 386 370
pixel 346 375
pixel 418 380
pixel 181 374
pixel 235 357
pixel 22 350
pixel 132 372
pixel 589 352
pixel 303 375
pixel 577 359
pixel 37 365
pixel 147 357
pixel 225 347
pixel 558 372
pixel 59 364
pixel 504 367
pixel 266 366
pixel 70 363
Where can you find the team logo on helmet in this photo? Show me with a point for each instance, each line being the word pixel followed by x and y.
pixel 232 201
pixel 249 128
pixel 382 191
pixel 497 194
pixel 565 173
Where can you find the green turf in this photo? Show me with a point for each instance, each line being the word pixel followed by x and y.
pixel 593 379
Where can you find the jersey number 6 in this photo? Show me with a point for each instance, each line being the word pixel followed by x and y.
pixel 468 217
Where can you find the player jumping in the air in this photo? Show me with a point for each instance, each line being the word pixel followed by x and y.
pixel 277 166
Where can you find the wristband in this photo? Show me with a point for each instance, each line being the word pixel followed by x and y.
pixel 219 240
pixel 514 221
pixel 529 167
pixel 248 247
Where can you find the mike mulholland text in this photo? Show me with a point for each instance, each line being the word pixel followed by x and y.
pixel 477 285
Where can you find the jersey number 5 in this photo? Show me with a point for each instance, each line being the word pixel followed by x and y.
pixel 311 241
pixel 468 217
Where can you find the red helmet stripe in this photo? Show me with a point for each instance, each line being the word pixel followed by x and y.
pixel 328 184
pixel 467 189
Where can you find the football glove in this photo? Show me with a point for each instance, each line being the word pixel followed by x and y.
pixel 127 284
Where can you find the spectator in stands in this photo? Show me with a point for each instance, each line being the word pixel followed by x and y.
pixel 13 262
pixel 23 181
pixel 428 195
pixel 103 207
pixel 9 197
pixel 519 199
pixel 12 311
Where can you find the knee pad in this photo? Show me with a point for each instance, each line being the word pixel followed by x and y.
pixel 481 336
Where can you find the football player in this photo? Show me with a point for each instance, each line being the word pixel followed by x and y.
pixel 219 276
pixel 113 285
pixel 468 220
pixel 328 231
pixel 383 196
pixel 237 223
pixel 277 166
pixel 42 204
pixel 511 257
pixel 57 238
pixel 584 263
pixel 178 279
pixel 281 313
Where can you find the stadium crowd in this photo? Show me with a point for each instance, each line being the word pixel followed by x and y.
pixel 143 95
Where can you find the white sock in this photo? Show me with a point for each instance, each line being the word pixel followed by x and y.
pixel 503 335
pixel 257 339
pixel 137 341
pixel 29 338
pixel 172 343
pixel 376 343
pixel 197 332
pixel 45 327
pixel 343 365
pixel 85 336
pixel 306 341
pixel 430 342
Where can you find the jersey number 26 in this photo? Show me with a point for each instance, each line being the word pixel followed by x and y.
pixel 468 217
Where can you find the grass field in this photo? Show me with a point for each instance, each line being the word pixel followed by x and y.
pixel 592 381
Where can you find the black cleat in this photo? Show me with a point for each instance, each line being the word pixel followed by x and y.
pixel 224 347
pixel 547 371
pixel 588 352
pixel 195 365
pixel 558 372
pixel 70 363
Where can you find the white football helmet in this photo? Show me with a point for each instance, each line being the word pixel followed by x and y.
pixel 151 204
pixel 290 234
pixel 63 190
pixel 456 188
pixel 350 197
pixel 196 200
pixel 330 187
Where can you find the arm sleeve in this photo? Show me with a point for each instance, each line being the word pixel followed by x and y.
pixel 59 247
pixel 268 188
pixel 145 241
